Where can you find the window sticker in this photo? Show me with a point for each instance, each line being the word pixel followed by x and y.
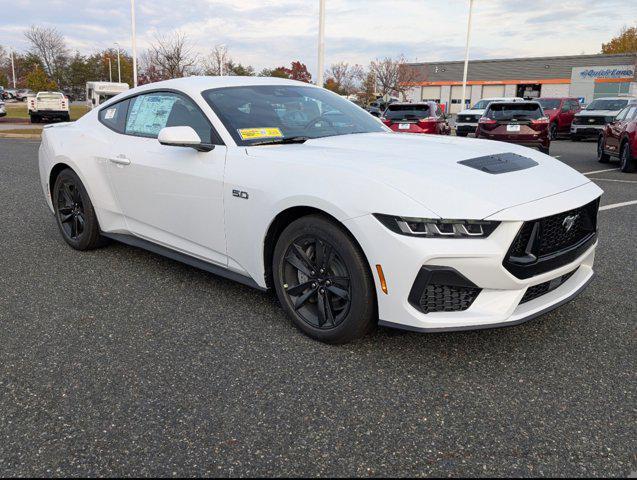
pixel 110 113
pixel 258 133
pixel 149 114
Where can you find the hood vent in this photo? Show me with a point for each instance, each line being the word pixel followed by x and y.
pixel 500 163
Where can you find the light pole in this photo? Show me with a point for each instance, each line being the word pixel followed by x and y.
pixel 110 70
pixel 134 41
pixel 321 43
pixel 119 67
pixel 466 57
pixel 222 57
pixel 13 68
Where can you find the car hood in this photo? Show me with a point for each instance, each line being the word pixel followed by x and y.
pixel 426 169
pixel 597 113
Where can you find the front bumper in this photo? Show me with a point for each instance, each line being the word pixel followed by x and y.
pixel 478 260
pixel 585 131
pixel 466 127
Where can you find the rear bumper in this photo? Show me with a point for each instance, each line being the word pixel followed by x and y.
pixel 50 113
pixel 532 143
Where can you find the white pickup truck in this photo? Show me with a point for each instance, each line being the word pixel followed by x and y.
pixel 48 105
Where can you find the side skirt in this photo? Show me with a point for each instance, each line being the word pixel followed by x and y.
pixel 183 258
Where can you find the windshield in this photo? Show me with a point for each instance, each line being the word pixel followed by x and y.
pixel 549 103
pixel 517 111
pixel 252 114
pixel 614 104
pixel 400 112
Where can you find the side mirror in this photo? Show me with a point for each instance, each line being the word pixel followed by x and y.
pixel 183 137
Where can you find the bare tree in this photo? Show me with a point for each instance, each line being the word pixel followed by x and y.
pixel 50 47
pixel 218 61
pixel 172 56
pixel 393 75
pixel 346 77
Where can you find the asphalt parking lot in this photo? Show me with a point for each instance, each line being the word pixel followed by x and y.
pixel 120 362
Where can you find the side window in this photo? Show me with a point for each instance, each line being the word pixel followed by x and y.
pixel 631 113
pixel 149 113
pixel 114 116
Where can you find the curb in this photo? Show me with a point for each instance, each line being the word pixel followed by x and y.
pixel 20 135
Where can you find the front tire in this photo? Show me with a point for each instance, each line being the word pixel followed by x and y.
pixel 323 281
pixel 627 164
pixel 74 212
pixel 602 157
pixel 553 131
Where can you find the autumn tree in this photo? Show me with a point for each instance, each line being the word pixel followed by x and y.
pixel 367 93
pixel 625 42
pixel 278 72
pixel 50 47
pixel 345 78
pixel 38 81
pixel 393 75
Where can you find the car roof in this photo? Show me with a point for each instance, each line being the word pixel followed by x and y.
pixel 197 84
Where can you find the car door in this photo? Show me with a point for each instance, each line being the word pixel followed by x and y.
pixel 170 195
pixel 614 131
pixel 565 116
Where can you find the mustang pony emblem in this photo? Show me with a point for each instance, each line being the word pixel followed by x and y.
pixel 569 222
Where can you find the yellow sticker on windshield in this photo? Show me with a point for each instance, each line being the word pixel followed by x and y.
pixel 257 133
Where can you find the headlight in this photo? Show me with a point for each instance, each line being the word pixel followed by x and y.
pixel 610 119
pixel 437 228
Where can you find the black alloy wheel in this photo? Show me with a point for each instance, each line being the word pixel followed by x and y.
pixel 323 280
pixel 553 131
pixel 602 157
pixel 317 282
pixel 74 212
pixel 626 164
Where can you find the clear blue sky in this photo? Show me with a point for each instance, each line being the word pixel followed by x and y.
pixel 269 33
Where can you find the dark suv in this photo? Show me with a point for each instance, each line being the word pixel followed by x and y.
pixel 523 123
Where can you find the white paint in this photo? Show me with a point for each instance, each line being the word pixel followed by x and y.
pixel 600 171
pixel 617 205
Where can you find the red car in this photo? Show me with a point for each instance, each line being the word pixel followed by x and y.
pixel 560 112
pixel 619 139
pixel 523 123
pixel 425 117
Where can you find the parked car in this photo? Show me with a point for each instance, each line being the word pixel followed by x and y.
pixel 425 117
pixel 523 123
pixel 377 107
pixel 9 94
pixel 467 120
pixel 3 110
pixel 23 93
pixel 561 111
pixel 48 106
pixel 619 139
pixel 347 223
pixel 590 122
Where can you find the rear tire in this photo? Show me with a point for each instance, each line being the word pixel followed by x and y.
pixel 74 213
pixel 627 163
pixel 34 118
pixel 323 281
pixel 601 156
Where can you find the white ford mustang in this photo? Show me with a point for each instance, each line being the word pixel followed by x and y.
pixel 282 185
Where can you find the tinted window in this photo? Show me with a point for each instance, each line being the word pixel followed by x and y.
pixel 149 113
pixel 607 104
pixel 114 116
pixel 549 103
pixel 509 111
pixel 631 113
pixel 482 104
pixel 407 112
pixel 262 112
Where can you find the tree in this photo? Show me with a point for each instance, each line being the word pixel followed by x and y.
pixel 238 70
pixel 217 61
pixel 38 81
pixel 393 75
pixel 278 72
pixel 172 56
pixel 368 89
pixel 50 47
pixel 625 42
pixel 345 78
pixel 300 72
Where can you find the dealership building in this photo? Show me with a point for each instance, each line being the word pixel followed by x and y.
pixel 582 76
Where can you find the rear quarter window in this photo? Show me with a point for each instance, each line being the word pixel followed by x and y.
pixel 114 116
pixel 508 111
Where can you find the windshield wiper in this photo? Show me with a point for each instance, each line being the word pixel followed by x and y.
pixel 282 141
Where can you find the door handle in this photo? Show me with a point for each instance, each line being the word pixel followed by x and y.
pixel 120 160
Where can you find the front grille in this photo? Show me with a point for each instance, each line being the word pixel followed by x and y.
pixel 467 118
pixel 551 242
pixel 543 288
pixel 447 298
pixel 589 120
